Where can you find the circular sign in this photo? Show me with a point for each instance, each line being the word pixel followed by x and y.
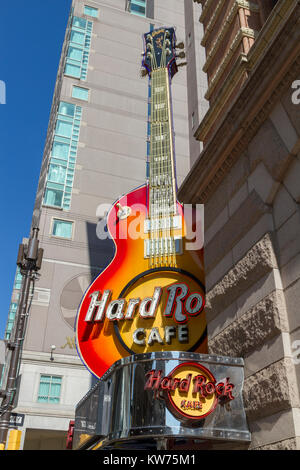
pixel 161 309
pixel 195 397
pixel 168 299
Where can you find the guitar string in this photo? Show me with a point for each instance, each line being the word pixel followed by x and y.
pixel 161 174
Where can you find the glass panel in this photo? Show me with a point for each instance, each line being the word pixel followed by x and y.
pixel 77 37
pixel 73 70
pixel 79 22
pixel 57 173
pixel 53 197
pixel 91 11
pixel 66 108
pixel 60 150
pixel 63 128
pixel 55 390
pixel 18 280
pixel 80 93
pixel 75 54
pixel 62 228
pixel 138 7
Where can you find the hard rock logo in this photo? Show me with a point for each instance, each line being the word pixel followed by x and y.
pixel 191 391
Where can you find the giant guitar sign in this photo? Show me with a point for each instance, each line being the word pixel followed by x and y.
pixel 151 296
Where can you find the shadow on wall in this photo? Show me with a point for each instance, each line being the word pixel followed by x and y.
pixel 101 252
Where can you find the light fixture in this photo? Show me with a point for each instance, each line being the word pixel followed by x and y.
pixel 53 347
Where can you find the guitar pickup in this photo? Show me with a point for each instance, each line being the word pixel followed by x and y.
pixel 163 246
pixel 165 223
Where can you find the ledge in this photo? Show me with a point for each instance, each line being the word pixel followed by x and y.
pixel 275 66
pixel 237 5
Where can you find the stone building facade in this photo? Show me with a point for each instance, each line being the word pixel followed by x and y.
pixel 248 178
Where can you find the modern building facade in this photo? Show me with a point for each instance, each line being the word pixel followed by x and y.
pixel 247 176
pixel 95 150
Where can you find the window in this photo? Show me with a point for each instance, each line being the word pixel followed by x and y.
pixel 79 48
pixel 11 319
pixel 18 280
pixel 49 389
pixel 53 197
pixel 90 11
pixel 80 93
pixel 138 7
pixel 62 228
pixel 63 156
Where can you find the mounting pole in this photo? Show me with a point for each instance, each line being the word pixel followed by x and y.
pixel 29 261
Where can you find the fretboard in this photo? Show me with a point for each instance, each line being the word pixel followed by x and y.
pixel 162 186
pixel 162 174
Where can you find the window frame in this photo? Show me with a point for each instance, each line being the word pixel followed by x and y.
pixel 62 220
pixel 45 374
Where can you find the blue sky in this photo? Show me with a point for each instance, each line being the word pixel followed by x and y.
pixel 31 37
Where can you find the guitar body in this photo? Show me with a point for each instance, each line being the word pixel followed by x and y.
pixel 131 275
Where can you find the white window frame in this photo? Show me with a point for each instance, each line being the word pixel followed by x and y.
pixel 62 220
pixel 49 373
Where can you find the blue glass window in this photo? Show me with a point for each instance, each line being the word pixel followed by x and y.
pixel 63 156
pixel 53 197
pixel 138 7
pixel 60 149
pixel 57 173
pixel 90 11
pixel 80 93
pixel 77 38
pixel 79 48
pixel 18 279
pixel 73 70
pixel 62 228
pixel 66 109
pixel 49 389
pixel 79 22
pixel 75 53
pixel 11 319
pixel 63 128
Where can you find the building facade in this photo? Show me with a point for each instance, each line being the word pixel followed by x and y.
pixel 95 150
pixel 248 178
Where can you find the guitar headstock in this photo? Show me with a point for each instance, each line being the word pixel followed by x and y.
pixel 160 51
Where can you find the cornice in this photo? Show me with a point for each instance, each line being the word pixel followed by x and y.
pixel 205 10
pixel 243 32
pixel 274 73
pixel 212 22
pixel 238 4
pixel 239 69
pixel 247 62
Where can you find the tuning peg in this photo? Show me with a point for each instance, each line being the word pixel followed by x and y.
pixel 182 64
pixel 181 55
pixel 180 45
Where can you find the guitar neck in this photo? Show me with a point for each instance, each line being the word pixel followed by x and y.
pixel 162 182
